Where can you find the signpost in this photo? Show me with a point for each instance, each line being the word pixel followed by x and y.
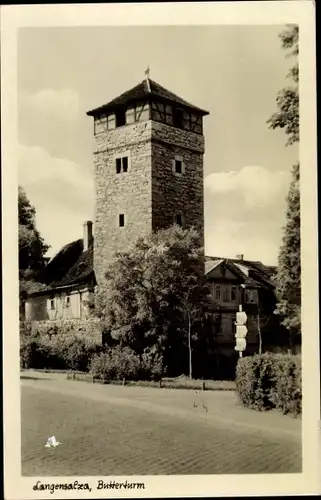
pixel 241 331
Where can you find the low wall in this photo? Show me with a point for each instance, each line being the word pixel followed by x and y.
pixel 89 329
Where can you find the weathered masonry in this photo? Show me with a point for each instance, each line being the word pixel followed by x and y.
pixel 148 168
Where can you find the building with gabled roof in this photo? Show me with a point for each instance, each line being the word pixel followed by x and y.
pixel 67 282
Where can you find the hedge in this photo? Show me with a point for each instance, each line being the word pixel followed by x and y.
pixel 71 352
pixel 60 352
pixel 270 381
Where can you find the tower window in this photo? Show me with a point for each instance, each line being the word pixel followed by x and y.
pixel 125 163
pixel 178 166
pixel 52 304
pixel 233 293
pixel 217 292
pixel 68 301
pixel 178 118
pixel 120 118
pixel 121 220
pixel 179 219
pixel 118 165
pixel 122 165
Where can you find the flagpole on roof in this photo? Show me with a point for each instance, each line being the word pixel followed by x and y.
pixel 147 71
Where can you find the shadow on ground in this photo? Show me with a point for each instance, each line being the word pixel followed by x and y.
pixel 29 377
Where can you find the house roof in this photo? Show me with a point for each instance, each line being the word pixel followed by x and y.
pixel 70 266
pixel 73 266
pixel 252 273
pixel 146 89
pixel 212 264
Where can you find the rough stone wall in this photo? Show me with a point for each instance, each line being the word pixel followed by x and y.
pixel 89 329
pixel 125 193
pixel 177 193
pixel 149 194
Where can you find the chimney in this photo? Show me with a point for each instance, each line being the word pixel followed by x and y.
pixel 88 234
pixel 240 257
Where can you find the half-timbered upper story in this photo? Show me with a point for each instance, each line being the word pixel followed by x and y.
pixel 148 101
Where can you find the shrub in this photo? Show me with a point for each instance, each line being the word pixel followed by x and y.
pixel 270 381
pixel 287 393
pixel 29 353
pixel 60 352
pixel 78 355
pixel 116 364
pixel 25 329
pixel 152 366
pixel 254 380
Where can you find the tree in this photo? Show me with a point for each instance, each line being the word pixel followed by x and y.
pixel 32 248
pixel 288 277
pixel 155 295
pixel 287 115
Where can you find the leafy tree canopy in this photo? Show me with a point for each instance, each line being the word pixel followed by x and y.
pixel 32 247
pixel 152 289
pixel 287 101
pixel 288 278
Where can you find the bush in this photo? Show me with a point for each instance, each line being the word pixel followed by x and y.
pixel 116 364
pixel 287 393
pixel 270 381
pixel 60 352
pixel 29 353
pixel 152 366
pixel 25 329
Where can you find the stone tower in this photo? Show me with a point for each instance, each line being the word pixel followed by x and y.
pixel 149 148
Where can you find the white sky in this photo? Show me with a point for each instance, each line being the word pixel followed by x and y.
pixel 234 72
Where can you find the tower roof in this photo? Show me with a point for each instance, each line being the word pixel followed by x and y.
pixel 144 90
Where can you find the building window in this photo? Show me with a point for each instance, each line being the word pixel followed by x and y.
pixel 118 165
pixel 226 294
pixel 100 124
pixel 111 122
pixel 233 293
pixel 122 165
pixel 121 220
pixel 178 118
pixel 217 292
pixel 120 118
pixel 250 296
pixel 169 114
pixel 68 301
pixel 178 167
pixel 179 219
pixel 52 304
pixel 125 164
